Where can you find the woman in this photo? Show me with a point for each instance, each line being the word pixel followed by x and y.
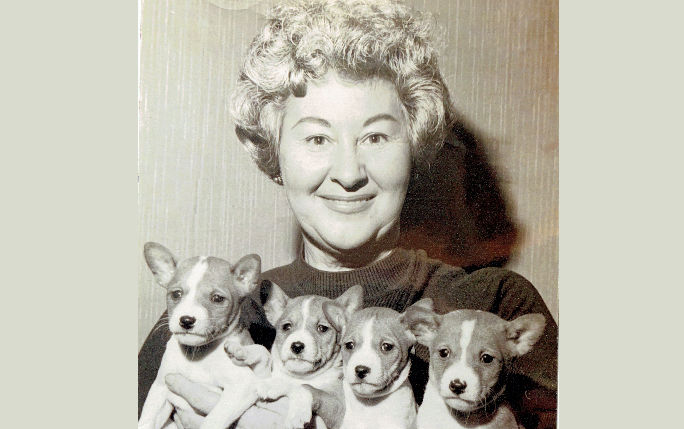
pixel 342 103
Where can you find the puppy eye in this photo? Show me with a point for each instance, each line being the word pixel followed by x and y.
pixel 443 353
pixel 287 326
pixel 217 299
pixel 322 329
pixel 485 358
pixel 176 294
pixel 349 345
pixel 386 347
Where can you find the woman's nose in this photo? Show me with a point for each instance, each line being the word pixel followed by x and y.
pixel 347 168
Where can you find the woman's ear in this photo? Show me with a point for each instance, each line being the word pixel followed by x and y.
pixel 275 302
pixel 422 321
pixel 161 261
pixel 523 332
pixel 246 273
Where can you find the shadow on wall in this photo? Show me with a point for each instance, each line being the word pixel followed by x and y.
pixel 456 211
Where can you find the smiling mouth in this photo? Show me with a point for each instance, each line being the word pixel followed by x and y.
pixel 347 204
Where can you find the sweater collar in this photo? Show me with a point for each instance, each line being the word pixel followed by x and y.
pixel 387 273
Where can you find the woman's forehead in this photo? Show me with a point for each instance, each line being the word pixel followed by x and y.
pixel 333 98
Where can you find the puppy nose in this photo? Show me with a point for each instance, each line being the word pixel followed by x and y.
pixel 187 321
pixel 297 347
pixel 457 386
pixel 361 371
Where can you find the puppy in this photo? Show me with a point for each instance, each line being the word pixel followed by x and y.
pixel 203 300
pixel 375 351
pixel 306 358
pixel 470 351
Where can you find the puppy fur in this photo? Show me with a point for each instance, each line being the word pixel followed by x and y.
pixel 375 351
pixel 306 350
pixel 203 301
pixel 470 351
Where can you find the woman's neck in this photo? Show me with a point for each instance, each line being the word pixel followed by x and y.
pixel 327 261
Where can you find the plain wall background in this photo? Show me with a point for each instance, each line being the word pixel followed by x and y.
pixel 199 193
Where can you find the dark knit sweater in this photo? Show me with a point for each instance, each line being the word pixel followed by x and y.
pixel 397 281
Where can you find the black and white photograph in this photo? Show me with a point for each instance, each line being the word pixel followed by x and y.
pixel 348 214
pixel 375 214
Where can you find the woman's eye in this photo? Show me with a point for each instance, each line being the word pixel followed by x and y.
pixel 376 138
pixel 485 358
pixel 349 345
pixel 322 329
pixel 386 347
pixel 443 353
pixel 316 140
pixel 216 298
pixel 176 294
pixel 287 326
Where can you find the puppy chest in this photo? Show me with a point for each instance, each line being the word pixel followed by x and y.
pixel 215 369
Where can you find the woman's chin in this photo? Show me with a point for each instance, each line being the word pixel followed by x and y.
pixel 351 240
pixel 361 250
pixel 347 245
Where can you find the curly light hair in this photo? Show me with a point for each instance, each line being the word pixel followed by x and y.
pixel 359 39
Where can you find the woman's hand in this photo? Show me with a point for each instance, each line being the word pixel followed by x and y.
pixel 201 400
pixel 300 413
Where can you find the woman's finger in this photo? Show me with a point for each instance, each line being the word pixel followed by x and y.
pixel 188 419
pixel 198 396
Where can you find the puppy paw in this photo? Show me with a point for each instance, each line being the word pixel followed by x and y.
pixel 272 388
pixel 299 412
pixel 254 356
pixel 236 353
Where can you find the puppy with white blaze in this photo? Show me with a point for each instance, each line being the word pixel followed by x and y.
pixel 376 350
pixel 203 296
pixel 470 351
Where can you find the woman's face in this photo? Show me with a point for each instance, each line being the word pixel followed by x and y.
pixel 345 160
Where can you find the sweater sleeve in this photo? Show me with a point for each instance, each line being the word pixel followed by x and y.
pixel 518 297
pixel 150 357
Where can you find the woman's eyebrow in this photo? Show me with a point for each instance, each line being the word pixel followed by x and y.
pixel 380 117
pixel 313 119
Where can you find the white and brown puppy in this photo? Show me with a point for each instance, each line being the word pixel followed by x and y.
pixel 305 356
pixel 469 353
pixel 203 299
pixel 306 352
pixel 376 350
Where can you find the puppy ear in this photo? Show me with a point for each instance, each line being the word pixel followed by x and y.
pixel 161 261
pixel 246 273
pixel 422 321
pixel 341 308
pixel 275 302
pixel 351 300
pixel 523 332
pixel 336 315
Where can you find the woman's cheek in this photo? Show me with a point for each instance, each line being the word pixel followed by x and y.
pixel 302 170
pixel 390 168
